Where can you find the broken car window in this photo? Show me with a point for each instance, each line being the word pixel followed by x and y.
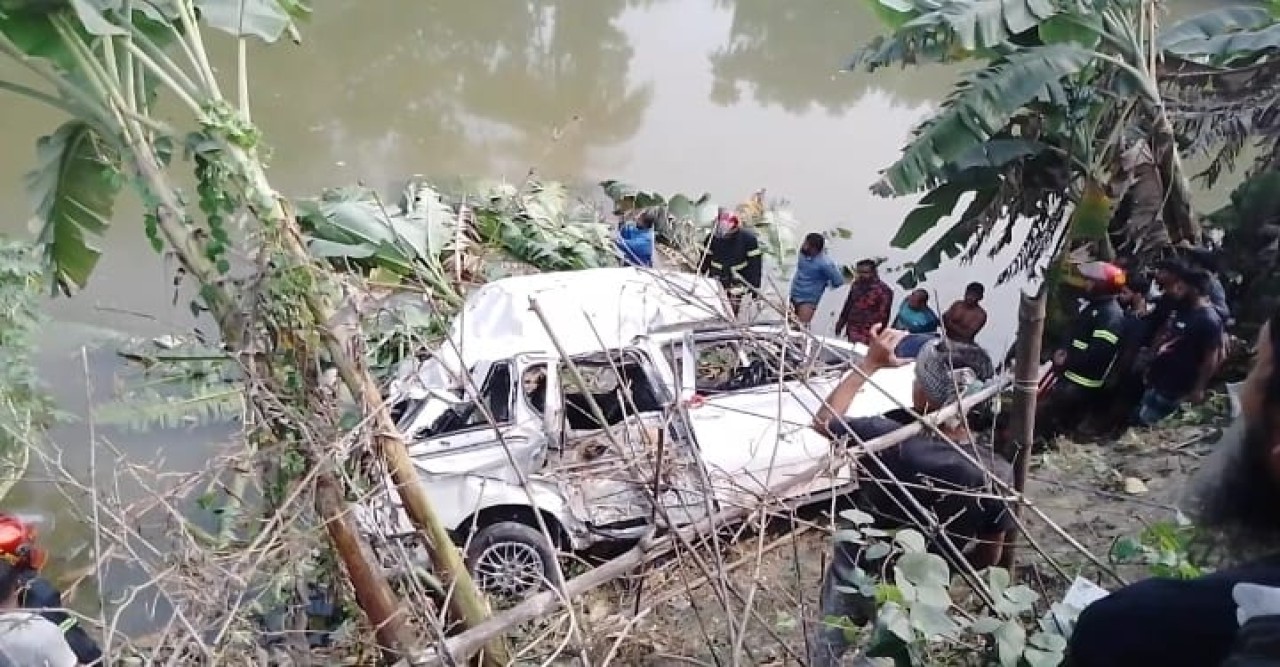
pixel 619 389
pixel 496 394
pixel 740 362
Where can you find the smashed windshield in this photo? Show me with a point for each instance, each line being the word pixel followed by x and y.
pixel 748 359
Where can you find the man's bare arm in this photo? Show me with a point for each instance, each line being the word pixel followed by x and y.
pixel 837 402
pixel 879 355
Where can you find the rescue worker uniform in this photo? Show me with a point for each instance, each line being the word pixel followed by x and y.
pixel 18 547
pixel 735 259
pixel 1092 349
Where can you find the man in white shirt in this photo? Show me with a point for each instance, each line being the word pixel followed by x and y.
pixel 27 639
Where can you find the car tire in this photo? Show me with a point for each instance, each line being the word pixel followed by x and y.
pixel 511 560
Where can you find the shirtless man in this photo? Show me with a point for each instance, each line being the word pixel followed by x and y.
pixel 965 318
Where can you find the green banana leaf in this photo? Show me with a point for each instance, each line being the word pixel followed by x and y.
pixel 73 189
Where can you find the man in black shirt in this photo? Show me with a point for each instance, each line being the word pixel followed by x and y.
pixel 1185 361
pixel 1193 623
pixel 926 465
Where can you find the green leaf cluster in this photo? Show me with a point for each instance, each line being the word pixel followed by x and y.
pixel 917 617
pixel 1066 78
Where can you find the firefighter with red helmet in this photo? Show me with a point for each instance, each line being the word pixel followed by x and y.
pixel 733 257
pixel 1081 368
pixel 19 549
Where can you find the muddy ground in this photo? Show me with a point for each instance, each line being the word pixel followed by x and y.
pixel 1096 492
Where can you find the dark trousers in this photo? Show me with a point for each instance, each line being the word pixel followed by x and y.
pixel 1065 408
pixel 827 641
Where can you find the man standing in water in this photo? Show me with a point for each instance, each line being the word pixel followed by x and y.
pixel 1193 622
pixel 867 306
pixel 815 272
pixel 927 465
pixel 966 317
pixel 734 258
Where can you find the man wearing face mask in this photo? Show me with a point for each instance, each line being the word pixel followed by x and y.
pixel 733 257
pixel 1194 623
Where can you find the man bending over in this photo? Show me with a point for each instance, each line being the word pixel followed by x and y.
pixel 928 464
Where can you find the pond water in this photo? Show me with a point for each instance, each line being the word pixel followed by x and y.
pixel 725 96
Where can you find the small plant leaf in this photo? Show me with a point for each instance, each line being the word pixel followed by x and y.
pixel 1011 640
pixel 877 551
pixel 1037 658
pixel 1048 641
pixel 910 540
pixel 985 625
pixel 924 568
pixel 857 517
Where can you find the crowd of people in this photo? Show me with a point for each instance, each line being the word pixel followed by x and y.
pixel 869 302
pixel 1139 348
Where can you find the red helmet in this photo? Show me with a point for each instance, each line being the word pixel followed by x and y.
pixel 1108 277
pixel 18 543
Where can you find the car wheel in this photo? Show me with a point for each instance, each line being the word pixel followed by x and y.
pixel 511 560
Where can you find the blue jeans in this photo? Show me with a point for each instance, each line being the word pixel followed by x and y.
pixel 1155 407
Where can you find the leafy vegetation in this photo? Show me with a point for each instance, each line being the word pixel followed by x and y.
pixel 1164 547
pixel 1059 90
pixel 104 63
pixel 25 409
pixel 917 619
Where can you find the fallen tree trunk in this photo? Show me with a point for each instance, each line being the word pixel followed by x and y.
pixel 461 647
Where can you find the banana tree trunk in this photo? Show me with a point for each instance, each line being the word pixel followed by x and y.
pixel 373 593
pixel 1178 217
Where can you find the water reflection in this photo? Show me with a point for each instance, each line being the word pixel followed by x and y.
pixel 449 88
pixel 790 54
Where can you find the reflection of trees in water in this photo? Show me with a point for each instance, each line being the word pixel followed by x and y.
pixel 790 54
pixel 462 80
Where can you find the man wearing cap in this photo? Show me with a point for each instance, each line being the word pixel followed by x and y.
pixel 1093 343
pixel 733 256
pixel 1186 354
pixel 923 469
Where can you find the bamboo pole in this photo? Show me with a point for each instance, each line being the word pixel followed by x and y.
pixel 373 593
pixel 1026 370
pixel 461 647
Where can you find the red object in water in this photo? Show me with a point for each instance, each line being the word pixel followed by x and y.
pixel 18 543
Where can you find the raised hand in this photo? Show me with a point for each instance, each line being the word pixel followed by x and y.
pixel 884 340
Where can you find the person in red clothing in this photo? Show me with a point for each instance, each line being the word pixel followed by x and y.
pixel 869 302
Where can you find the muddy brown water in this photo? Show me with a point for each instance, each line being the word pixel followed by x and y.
pixel 725 96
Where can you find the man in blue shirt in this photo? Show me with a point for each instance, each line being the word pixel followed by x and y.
pixel 635 239
pixel 815 272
